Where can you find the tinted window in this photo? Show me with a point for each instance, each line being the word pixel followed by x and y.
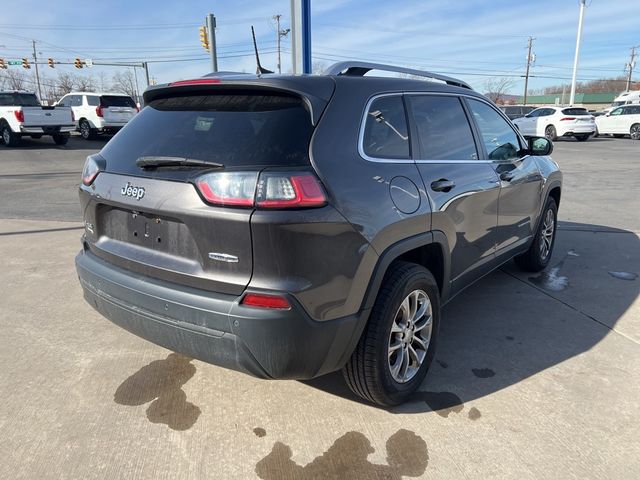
pixel 575 111
pixel 116 101
pixel 443 130
pixel 93 100
pixel 536 113
pixel 19 100
pixel 634 110
pixel 498 137
pixel 385 131
pixel 234 130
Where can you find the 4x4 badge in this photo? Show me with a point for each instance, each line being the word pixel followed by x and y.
pixel 130 191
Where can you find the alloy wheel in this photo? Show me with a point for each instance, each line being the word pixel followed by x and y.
pixel 6 136
pixel 635 132
pixel 546 235
pixel 410 336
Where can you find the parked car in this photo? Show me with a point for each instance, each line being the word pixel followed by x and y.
pixel 98 113
pixel 554 122
pixel 516 111
pixel 291 226
pixel 21 115
pixel 620 121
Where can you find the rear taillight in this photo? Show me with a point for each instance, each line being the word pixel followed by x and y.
pixel 137 109
pixel 19 115
pixel 282 190
pixel 268 190
pixel 91 169
pixel 228 188
pixel 567 119
pixel 99 111
pixel 260 300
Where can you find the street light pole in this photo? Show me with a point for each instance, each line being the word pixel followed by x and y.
pixel 572 96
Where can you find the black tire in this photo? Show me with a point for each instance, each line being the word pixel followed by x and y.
pixel 583 137
pixel 534 259
pixel 634 131
pixel 550 133
pixel 61 139
pixel 618 135
pixel 86 131
pixel 596 134
pixel 368 371
pixel 9 138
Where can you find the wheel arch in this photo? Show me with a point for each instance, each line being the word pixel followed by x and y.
pixel 429 249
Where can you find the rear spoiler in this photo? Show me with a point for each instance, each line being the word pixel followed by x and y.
pixel 317 93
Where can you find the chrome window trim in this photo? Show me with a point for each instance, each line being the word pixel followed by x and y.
pixel 426 161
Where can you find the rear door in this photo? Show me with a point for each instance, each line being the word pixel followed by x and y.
pixel 463 190
pixel 519 176
pixel 117 108
pixel 155 221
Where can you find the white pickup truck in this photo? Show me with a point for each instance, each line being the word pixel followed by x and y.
pixel 22 115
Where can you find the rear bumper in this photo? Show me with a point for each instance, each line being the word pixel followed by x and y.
pixel 47 130
pixel 215 328
pixel 579 129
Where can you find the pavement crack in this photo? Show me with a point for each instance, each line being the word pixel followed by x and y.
pixel 566 304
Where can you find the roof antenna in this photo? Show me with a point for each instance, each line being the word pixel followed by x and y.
pixel 259 69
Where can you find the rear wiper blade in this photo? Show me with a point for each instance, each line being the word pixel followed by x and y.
pixel 155 161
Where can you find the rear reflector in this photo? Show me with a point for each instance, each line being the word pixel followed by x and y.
pixel 195 81
pixel 19 115
pixel 259 300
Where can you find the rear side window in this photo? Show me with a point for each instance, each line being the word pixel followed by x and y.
pixel 499 138
pixel 575 111
pixel 116 101
pixel 443 130
pixel 93 101
pixel 234 130
pixel 385 130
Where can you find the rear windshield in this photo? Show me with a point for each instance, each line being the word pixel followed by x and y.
pixel 116 101
pixel 19 100
pixel 575 111
pixel 234 130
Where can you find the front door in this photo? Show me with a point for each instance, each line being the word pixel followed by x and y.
pixel 463 190
pixel 520 178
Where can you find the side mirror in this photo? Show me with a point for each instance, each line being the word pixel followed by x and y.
pixel 540 146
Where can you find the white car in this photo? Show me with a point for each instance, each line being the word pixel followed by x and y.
pixel 99 112
pixel 620 121
pixel 554 122
pixel 22 115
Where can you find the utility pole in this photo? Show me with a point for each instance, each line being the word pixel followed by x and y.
pixel 572 96
pixel 146 72
pixel 530 59
pixel 211 28
pixel 280 34
pixel 35 61
pixel 630 65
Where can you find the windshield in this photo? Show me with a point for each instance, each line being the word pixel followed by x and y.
pixel 116 101
pixel 617 104
pixel 234 130
pixel 19 100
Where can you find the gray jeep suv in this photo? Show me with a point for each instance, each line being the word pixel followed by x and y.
pixel 292 226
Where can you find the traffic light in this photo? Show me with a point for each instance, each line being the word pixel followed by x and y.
pixel 204 39
pixel 52 64
pixel 2 64
pixel 78 63
pixel 25 63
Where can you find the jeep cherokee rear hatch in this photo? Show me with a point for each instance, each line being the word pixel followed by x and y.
pixel 171 196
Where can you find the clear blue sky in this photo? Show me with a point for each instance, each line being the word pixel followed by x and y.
pixel 470 38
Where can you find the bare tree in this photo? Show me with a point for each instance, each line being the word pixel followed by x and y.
pixel 65 83
pixel 497 88
pixel 318 67
pixel 103 82
pixel 85 83
pixel 124 82
pixel 15 79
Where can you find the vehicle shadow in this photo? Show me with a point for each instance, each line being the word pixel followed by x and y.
pixel 512 325
pixel 75 143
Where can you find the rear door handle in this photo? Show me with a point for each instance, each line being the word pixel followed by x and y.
pixel 442 185
pixel 507 176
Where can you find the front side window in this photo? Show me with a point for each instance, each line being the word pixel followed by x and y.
pixel 617 111
pixel 385 130
pixel 443 130
pixel 500 140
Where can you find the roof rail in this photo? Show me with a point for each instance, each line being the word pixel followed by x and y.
pixel 356 68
